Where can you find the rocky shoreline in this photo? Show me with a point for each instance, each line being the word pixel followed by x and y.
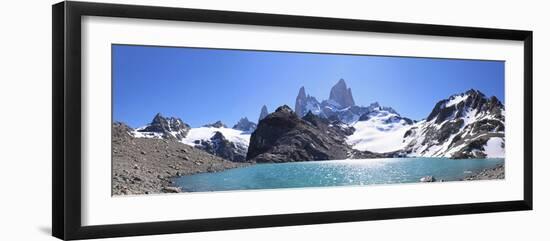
pixel 148 166
pixel 487 174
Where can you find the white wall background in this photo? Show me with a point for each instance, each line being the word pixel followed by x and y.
pixel 25 107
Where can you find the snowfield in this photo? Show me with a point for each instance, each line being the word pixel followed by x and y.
pixel 379 134
pixel 238 137
pixel 495 148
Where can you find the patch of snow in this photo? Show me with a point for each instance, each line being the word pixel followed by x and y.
pixel 205 133
pixel 138 134
pixel 376 135
pixel 313 107
pixel 456 99
pixel 495 147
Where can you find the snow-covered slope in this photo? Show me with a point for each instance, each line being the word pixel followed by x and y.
pixel 205 133
pixel 380 131
pixel 224 142
pixel 216 138
pixel 495 147
pixel 163 127
pixel 468 125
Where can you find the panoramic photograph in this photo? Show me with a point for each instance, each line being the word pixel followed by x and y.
pixel 202 120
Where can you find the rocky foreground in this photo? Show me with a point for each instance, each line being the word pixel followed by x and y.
pixel 488 174
pixel 147 166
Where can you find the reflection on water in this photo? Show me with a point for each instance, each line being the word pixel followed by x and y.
pixel 334 173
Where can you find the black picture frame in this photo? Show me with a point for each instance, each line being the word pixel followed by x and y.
pixel 66 127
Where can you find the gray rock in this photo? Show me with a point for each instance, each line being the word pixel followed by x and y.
pixel 427 179
pixel 341 94
pixel 284 137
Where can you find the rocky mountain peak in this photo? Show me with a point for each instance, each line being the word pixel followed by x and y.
pixel 167 127
pixel 305 103
pixel 263 113
pixel 284 109
pixel 245 125
pixel 217 124
pixel 219 145
pixel 374 105
pixel 218 136
pixel 301 93
pixel 461 104
pixel 341 94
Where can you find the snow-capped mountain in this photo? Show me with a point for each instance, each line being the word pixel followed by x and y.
pixel 340 104
pixel 220 141
pixel 162 127
pixel 306 103
pixel 215 138
pixel 245 125
pixel 380 129
pixel 232 146
pixel 467 125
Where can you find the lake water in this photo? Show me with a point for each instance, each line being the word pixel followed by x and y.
pixel 334 173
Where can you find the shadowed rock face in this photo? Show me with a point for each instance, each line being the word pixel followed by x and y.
pixel 220 146
pixel 283 137
pixel 169 127
pixel 341 94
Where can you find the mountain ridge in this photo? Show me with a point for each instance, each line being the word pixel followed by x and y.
pixel 464 125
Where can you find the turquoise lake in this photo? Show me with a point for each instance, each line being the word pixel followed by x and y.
pixel 334 173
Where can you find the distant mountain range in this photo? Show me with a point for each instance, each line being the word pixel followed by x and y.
pixel 465 125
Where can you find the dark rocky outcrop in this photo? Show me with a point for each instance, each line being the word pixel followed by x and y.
pixel 306 103
pixel 284 137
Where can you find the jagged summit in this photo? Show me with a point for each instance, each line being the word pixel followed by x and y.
pixel 166 127
pixel 341 94
pixel 305 103
pixel 263 113
pixel 217 124
pixel 465 125
pixel 284 108
pixel 459 104
pixel 245 125
pixel 340 106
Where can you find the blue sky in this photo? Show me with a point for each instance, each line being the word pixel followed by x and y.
pixel 205 85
